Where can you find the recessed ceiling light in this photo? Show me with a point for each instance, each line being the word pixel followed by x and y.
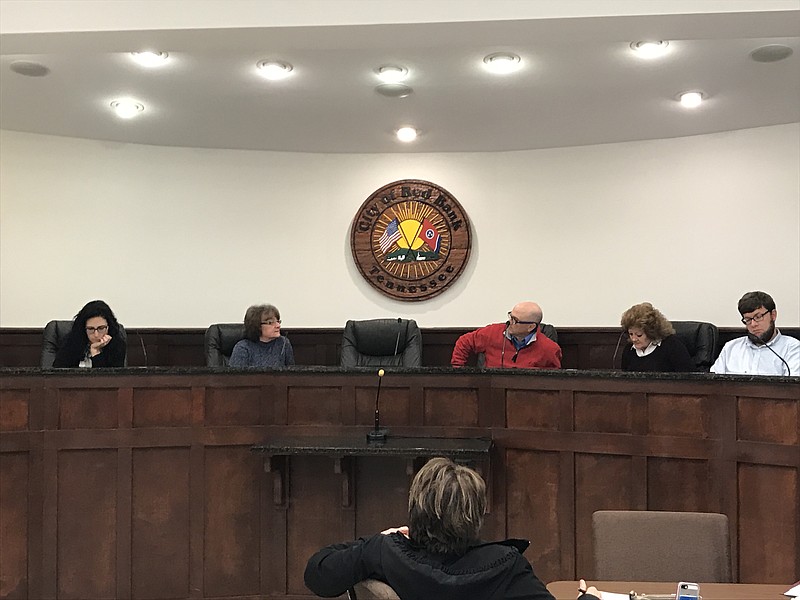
pixel 274 69
pixel 691 99
pixel 392 73
pixel 406 134
pixel 127 108
pixel 771 53
pixel 394 90
pixel 29 68
pixel 650 49
pixel 502 63
pixel 150 59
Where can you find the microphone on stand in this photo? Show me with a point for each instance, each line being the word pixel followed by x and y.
pixel 397 341
pixel 377 436
pixel 759 341
pixel 619 341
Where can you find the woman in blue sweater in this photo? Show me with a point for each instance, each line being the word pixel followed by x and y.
pixel 263 345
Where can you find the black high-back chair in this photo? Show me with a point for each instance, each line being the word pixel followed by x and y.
pixel 54 335
pixel 219 341
pixel 382 343
pixel 701 340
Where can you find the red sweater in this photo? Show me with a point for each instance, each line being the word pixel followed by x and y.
pixel 543 353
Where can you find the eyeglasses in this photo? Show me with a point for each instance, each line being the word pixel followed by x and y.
pixel 101 329
pixel 514 320
pixel 271 322
pixel 756 318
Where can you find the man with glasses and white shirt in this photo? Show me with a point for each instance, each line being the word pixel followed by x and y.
pixel 763 351
pixel 515 344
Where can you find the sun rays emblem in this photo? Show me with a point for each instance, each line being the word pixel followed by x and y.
pixel 410 239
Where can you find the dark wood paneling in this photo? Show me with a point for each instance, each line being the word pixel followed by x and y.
pixel 14 478
pixel 582 347
pixel 87 524
pixel 160 497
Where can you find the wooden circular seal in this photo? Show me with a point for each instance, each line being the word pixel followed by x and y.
pixel 411 239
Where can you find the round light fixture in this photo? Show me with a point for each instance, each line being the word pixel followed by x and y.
pixel 150 59
pixel 29 68
pixel 394 90
pixel 502 63
pixel 274 69
pixel 406 134
pixel 391 73
pixel 771 53
pixel 691 99
pixel 126 108
pixel 650 49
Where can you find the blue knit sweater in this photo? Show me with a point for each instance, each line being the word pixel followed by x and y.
pixel 272 354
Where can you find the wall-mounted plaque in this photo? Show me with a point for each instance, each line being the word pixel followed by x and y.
pixel 411 239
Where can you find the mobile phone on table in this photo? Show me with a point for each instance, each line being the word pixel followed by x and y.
pixel 687 591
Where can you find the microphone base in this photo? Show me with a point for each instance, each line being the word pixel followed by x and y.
pixel 377 437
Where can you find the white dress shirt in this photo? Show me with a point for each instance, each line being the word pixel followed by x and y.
pixel 743 357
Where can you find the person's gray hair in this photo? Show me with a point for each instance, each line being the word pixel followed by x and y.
pixel 446 504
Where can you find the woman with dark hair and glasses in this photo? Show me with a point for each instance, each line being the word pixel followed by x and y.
pixel 263 345
pixel 439 554
pixel 94 340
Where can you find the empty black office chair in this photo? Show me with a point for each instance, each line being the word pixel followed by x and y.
pixel 701 341
pixel 219 341
pixel 382 343
pixel 53 337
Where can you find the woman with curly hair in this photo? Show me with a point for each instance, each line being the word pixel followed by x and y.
pixel 654 345
pixel 94 340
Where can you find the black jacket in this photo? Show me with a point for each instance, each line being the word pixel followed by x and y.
pixel 73 351
pixel 487 571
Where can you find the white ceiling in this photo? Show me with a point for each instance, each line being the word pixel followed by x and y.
pixel 580 83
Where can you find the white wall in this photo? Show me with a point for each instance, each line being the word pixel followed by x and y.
pixel 179 237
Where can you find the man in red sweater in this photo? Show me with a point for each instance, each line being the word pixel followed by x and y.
pixel 515 344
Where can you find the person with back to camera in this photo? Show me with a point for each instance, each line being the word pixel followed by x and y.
pixel 263 345
pixel 438 555
pixel 654 345
pixel 764 350
pixel 94 340
pixel 517 343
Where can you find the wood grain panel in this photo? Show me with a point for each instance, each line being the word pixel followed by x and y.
pixel 87 408
pixel 532 504
pixel 162 407
pixel 678 415
pixel 14 473
pixel 533 409
pixel 447 406
pixel 232 512
pixel 14 409
pixel 381 494
pixel 394 406
pixel 601 483
pixel 768 507
pixel 234 406
pixel 87 481
pixel 603 412
pixel 679 485
pixel 314 405
pixel 314 516
pixel 762 420
pixel 160 523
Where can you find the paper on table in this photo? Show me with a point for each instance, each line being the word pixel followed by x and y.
pixel 794 591
pixel 614 596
